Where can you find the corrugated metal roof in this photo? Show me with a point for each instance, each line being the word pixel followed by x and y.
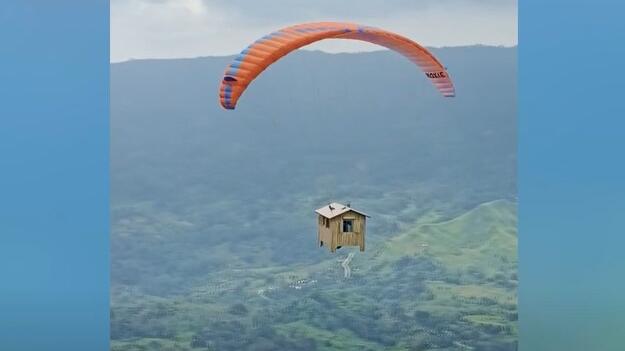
pixel 334 209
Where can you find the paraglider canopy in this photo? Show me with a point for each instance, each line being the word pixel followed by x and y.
pixel 259 55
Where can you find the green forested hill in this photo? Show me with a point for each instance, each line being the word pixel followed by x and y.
pixel 438 286
pixel 213 243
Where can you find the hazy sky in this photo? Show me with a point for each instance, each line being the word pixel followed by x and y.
pixel 191 28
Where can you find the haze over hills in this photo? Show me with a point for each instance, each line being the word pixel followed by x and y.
pixel 374 114
pixel 211 207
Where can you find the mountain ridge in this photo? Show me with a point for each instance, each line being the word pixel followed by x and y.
pixel 431 48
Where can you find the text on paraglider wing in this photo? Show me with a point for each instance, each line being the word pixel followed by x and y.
pixel 436 74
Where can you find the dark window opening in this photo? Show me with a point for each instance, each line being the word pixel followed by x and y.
pixel 326 222
pixel 348 225
pixel 321 243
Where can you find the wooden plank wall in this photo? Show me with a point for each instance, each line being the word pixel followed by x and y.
pixel 333 236
pixel 355 238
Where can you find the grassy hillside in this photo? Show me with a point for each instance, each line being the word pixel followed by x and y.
pixel 483 239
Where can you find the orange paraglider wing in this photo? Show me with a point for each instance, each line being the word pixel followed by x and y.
pixel 270 48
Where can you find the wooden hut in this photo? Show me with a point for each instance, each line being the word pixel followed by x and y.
pixel 340 225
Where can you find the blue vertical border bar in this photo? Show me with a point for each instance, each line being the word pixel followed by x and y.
pixel 571 175
pixel 54 135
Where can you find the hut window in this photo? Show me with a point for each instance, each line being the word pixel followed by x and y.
pixel 326 222
pixel 348 225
